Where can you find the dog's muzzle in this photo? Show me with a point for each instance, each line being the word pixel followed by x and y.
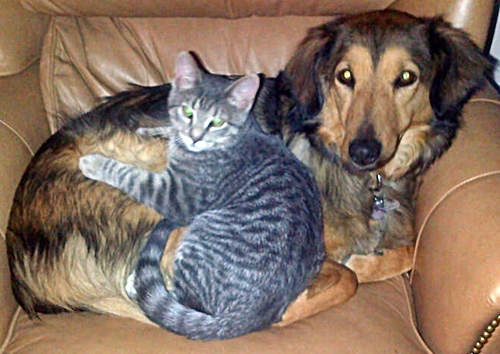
pixel 365 152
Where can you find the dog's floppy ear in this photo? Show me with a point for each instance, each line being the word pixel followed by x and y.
pixel 303 70
pixel 460 69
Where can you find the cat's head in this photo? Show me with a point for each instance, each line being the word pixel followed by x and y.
pixel 208 111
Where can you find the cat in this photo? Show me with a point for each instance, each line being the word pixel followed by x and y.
pixel 254 237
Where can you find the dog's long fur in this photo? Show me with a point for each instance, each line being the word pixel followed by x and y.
pixel 72 242
pixel 376 94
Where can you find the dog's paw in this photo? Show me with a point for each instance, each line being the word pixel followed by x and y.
pixel 92 165
pixel 130 287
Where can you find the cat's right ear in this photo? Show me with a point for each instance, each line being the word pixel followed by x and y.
pixel 187 72
pixel 243 91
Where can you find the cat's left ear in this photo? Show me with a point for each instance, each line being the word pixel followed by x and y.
pixel 241 94
pixel 187 72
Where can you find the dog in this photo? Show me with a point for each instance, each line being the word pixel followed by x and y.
pixel 73 242
pixel 368 102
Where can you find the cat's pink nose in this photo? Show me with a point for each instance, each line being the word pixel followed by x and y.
pixel 196 134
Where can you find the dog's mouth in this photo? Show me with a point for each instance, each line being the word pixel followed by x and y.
pixel 357 169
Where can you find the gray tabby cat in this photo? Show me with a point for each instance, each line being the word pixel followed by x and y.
pixel 254 240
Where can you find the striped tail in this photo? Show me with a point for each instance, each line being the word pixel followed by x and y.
pixel 161 307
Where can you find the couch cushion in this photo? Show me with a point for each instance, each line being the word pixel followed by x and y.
pixel 21 37
pixel 378 318
pixel 88 58
pixel 201 8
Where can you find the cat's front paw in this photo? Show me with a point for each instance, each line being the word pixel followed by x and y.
pixel 159 132
pixel 92 165
pixel 130 287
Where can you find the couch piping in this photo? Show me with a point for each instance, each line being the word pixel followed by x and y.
pixel 10 332
pixel 411 312
pixel 453 189
pixel 13 130
pixel 485 100
pixel 482 340
pixel 441 200
pixel 14 319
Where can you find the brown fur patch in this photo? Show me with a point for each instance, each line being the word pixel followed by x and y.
pixel 80 271
pixel 334 285
pixel 375 267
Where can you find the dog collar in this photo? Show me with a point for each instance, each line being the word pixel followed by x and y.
pixel 381 206
pixel 381 203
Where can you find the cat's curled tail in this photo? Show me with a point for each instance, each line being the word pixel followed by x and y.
pixel 162 308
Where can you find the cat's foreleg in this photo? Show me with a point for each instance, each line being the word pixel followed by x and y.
pixel 161 132
pixel 132 180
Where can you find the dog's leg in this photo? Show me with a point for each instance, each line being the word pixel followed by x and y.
pixel 334 285
pixel 375 267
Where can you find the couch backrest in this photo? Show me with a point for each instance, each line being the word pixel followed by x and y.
pixel 22 31
pixel 229 9
pixel 87 57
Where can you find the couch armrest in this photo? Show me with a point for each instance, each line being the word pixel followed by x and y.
pixel 456 278
pixel 23 127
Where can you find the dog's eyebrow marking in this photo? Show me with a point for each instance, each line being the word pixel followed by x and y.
pixel 394 61
pixel 359 61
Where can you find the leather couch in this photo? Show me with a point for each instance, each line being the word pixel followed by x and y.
pixel 58 57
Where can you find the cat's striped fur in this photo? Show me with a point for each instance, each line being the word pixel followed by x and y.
pixel 253 211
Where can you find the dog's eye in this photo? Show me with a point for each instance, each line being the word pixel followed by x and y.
pixel 406 78
pixel 346 77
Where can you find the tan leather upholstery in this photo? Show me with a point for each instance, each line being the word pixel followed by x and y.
pixel 21 37
pixel 454 290
pixel 455 278
pixel 213 8
pixel 23 128
pixel 467 14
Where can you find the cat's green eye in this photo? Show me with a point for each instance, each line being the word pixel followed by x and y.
pixel 187 111
pixel 217 123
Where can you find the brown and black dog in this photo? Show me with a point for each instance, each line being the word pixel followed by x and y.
pixel 368 102
pixel 73 242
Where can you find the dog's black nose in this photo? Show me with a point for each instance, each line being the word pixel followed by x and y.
pixel 364 152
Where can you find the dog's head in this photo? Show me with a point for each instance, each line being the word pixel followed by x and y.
pixel 361 81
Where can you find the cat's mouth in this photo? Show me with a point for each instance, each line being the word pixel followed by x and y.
pixel 195 146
